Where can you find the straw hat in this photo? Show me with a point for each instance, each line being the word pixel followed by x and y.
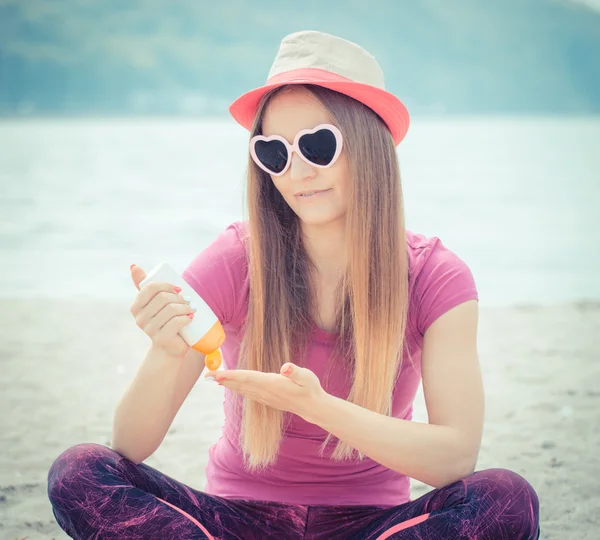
pixel 312 57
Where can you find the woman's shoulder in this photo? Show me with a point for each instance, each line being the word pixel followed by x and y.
pixel 242 228
pixel 231 242
pixel 219 272
pixel 421 249
pixel 428 251
pixel 438 278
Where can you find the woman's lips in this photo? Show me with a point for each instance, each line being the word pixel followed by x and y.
pixel 314 196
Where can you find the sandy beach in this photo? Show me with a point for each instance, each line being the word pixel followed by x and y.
pixel 66 363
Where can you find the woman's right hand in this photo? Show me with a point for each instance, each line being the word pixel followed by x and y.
pixel 161 313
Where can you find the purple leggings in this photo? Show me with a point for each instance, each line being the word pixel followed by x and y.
pixel 96 493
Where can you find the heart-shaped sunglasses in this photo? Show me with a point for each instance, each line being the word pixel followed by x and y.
pixel 319 146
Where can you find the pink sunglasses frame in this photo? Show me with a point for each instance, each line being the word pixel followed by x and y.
pixel 295 148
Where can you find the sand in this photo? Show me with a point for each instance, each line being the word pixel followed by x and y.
pixel 65 365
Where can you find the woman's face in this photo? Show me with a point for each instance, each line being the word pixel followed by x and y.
pixel 286 114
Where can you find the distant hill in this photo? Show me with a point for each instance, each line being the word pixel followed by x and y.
pixel 194 57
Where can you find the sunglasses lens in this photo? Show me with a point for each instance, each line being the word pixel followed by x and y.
pixel 318 147
pixel 272 154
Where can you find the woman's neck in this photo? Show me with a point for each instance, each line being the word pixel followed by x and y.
pixel 326 248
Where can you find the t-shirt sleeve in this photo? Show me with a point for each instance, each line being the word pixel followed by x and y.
pixel 217 274
pixel 443 282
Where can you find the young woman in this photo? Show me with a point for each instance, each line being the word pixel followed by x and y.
pixel 333 313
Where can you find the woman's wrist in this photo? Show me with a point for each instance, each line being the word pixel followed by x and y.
pixel 317 408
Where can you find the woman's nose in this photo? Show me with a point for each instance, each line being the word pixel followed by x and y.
pixel 300 169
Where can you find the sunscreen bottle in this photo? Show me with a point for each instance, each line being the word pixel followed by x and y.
pixel 204 332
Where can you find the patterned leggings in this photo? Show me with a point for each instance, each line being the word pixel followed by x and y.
pixel 97 494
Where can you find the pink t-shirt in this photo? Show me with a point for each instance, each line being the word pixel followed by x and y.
pixel 439 280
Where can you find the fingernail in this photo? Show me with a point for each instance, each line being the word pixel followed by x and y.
pixel 131 266
pixel 191 315
pixel 177 289
pixel 187 298
pixel 193 306
pixel 209 378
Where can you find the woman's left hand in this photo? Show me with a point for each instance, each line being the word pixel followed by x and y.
pixel 294 389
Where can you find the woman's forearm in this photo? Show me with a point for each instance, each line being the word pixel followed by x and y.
pixel 148 406
pixel 429 453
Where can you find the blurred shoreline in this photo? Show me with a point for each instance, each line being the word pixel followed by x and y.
pixel 83 199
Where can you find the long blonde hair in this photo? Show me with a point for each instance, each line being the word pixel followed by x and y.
pixel 371 319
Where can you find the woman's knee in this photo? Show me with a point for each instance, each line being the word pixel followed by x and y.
pixel 74 466
pixel 504 482
pixel 514 491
